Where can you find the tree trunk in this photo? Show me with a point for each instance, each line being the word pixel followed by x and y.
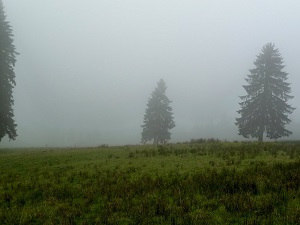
pixel 155 141
pixel 261 132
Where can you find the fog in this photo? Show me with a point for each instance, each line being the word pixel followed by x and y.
pixel 87 68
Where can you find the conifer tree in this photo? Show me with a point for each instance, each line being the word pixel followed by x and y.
pixel 264 110
pixel 7 78
pixel 158 119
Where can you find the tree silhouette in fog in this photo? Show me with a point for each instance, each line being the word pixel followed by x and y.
pixel 7 78
pixel 158 119
pixel 264 110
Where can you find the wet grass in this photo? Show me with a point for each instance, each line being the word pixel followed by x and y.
pixel 198 183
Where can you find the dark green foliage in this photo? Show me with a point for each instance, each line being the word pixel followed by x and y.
pixel 264 109
pixel 7 77
pixel 158 119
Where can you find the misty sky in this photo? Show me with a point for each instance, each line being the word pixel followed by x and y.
pixel 87 68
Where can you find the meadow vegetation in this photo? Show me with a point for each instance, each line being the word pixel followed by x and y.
pixel 200 182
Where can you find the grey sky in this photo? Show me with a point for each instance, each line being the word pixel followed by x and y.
pixel 86 68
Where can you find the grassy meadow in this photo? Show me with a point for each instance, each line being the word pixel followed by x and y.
pixel 206 182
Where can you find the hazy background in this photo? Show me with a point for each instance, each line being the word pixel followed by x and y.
pixel 87 68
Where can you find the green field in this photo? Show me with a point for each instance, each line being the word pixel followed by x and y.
pixel 193 183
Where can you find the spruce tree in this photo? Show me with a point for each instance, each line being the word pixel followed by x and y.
pixel 158 119
pixel 7 78
pixel 264 110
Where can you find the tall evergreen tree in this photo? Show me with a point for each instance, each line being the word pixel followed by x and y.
pixel 264 110
pixel 158 119
pixel 7 78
